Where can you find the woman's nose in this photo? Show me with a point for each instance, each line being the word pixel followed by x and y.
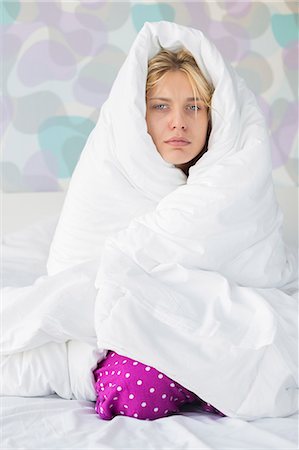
pixel 177 121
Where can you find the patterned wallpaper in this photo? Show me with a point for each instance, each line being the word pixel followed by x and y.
pixel 59 59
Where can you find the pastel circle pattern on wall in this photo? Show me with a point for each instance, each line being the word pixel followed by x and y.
pixel 66 137
pixel 285 28
pixel 10 12
pixel 151 13
pixel 60 60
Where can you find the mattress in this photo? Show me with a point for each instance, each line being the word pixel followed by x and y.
pixel 52 422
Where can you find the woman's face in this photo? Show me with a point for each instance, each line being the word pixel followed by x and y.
pixel 178 132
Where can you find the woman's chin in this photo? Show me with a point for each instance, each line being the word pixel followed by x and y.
pixel 176 161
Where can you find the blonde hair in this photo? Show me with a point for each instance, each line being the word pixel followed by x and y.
pixel 182 60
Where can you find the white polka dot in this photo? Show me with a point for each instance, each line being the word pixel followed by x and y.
pixel 105 397
pixel 147 368
pixel 113 372
pixel 112 354
pixel 102 389
pixel 111 406
pixel 101 384
pixel 156 409
pixel 101 374
pixel 143 404
pixel 110 384
pixel 119 388
pixel 115 398
pixel 126 406
pixel 121 412
pixel 116 362
pixel 164 395
pixel 176 399
pixel 109 365
pixel 101 409
pixel 127 375
pixel 139 382
pixel 172 385
pixel 124 361
pixel 131 396
pixel 160 376
pixel 171 398
pixel 152 389
pixel 106 372
pixel 135 363
pixel 188 396
pixel 135 415
pixel 166 411
pixel 119 372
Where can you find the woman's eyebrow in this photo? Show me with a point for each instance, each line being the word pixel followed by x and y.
pixel 165 99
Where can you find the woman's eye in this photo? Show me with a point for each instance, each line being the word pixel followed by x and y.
pixel 193 107
pixel 159 107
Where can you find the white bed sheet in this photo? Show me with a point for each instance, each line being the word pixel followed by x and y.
pixel 52 422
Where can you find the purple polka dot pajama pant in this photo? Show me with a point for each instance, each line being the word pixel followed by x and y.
pixel 128 387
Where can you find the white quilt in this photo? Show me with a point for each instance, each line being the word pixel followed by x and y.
pixel 191 276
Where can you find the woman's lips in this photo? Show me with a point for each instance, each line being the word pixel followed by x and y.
pixel 177 142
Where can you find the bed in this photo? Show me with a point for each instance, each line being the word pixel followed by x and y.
pixel 50 422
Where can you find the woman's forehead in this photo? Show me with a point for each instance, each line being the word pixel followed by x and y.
pixel 172 82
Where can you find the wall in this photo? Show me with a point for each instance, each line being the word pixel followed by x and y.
pixel 61 57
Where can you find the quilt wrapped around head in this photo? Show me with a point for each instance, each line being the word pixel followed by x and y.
pixel 193 275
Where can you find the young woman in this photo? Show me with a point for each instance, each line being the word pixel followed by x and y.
pixel 178 102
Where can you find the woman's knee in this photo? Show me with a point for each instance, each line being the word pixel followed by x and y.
pixel 130 388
